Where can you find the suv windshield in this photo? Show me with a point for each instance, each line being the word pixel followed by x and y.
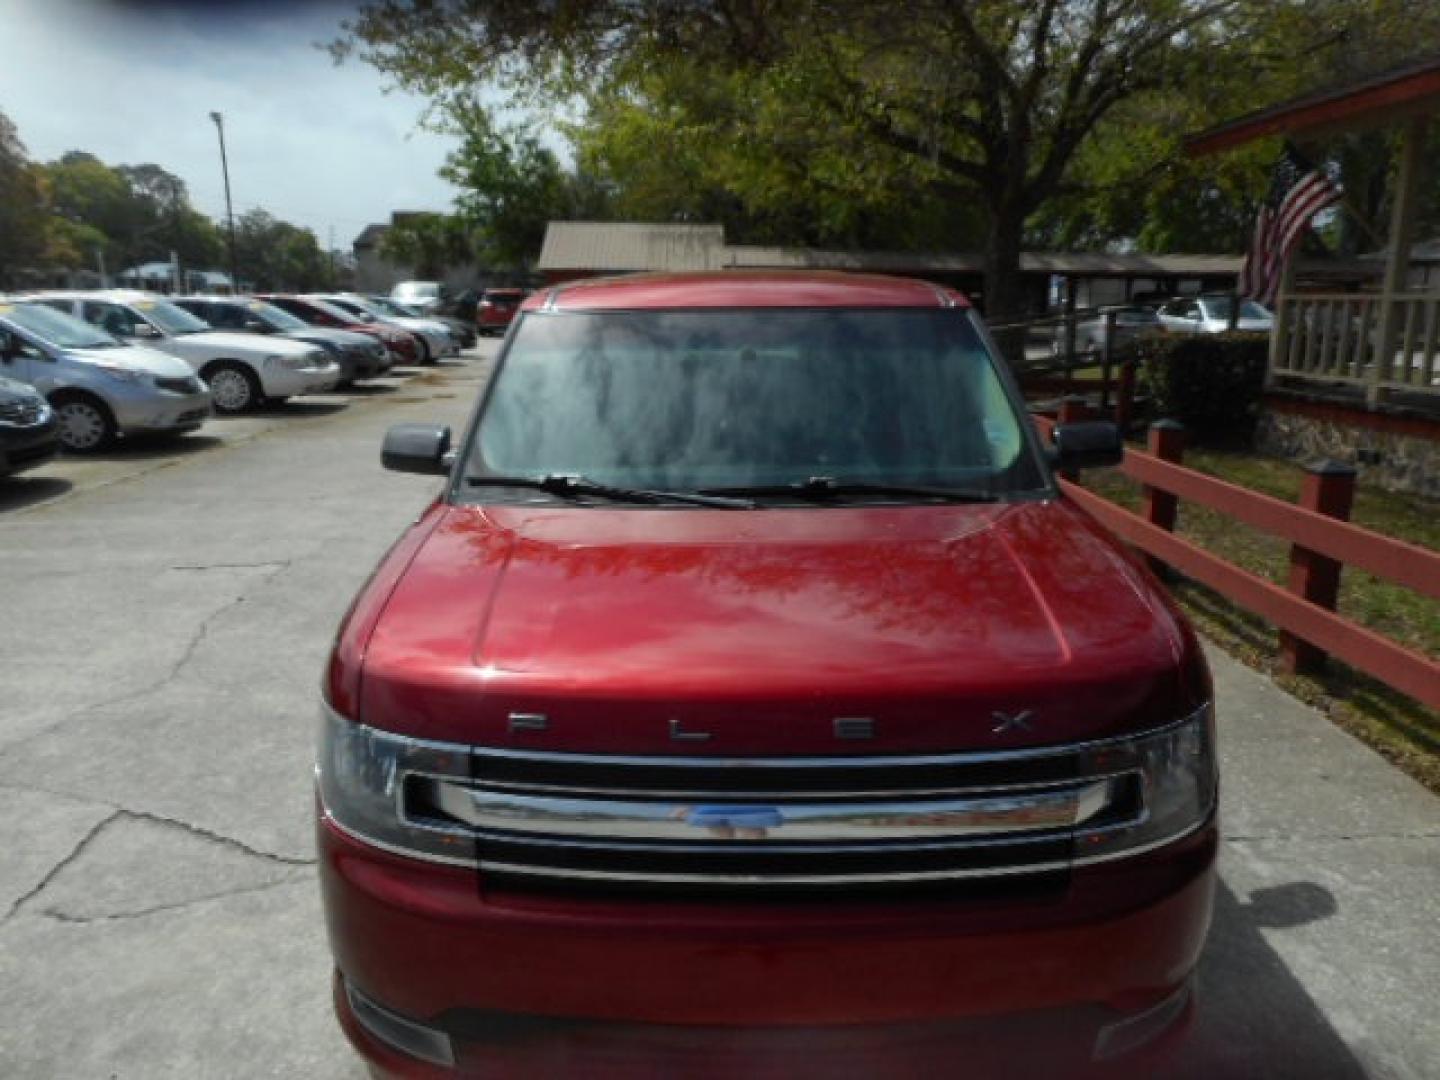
pixel 696 400
pixel 170 318
pixel 56 328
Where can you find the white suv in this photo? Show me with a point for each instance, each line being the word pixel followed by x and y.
pixel 241 370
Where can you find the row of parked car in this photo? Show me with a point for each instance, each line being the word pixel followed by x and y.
pixel 79 370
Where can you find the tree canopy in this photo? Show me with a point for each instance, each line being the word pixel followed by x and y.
pixel 77 211
pixel 933 123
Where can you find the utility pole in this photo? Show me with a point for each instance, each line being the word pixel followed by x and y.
pixel 229 209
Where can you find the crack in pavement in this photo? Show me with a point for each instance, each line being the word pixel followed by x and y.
pixel 54 871
pixel 276 564
pixel 123 814
pixel 160 909
pixel 187 654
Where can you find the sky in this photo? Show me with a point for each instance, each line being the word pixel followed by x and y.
pixel 135 82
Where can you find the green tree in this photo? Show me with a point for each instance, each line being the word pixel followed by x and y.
pixel 986 102
pixel 275 255
pixel 430 243
pixel 511 186
pixel 22 215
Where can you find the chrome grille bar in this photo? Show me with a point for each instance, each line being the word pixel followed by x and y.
pixel 810 822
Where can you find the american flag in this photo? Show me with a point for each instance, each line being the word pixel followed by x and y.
pixel 1298 191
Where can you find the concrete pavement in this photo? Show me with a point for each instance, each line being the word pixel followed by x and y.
pixel 163 621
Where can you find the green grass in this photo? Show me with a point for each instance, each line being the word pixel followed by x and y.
pixel 1400 728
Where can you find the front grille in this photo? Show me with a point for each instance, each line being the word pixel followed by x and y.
pixel 21 412
pixel 783 823
pixel 185 385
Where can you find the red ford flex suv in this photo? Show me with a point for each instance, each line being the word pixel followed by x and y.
pixel 751 694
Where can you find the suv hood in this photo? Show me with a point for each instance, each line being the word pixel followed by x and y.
pixel 135 358
pixel 761 628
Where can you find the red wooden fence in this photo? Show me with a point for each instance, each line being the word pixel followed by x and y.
pixel 1322 543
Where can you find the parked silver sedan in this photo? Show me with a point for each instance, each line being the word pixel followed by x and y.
pixel 1211 315
pixel 100 388
pixel 1090 332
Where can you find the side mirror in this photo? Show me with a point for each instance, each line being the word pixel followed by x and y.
pixel 144 330
pixel 417 448
pixel 1090 444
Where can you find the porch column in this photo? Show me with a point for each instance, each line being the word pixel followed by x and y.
pixel 1280 326
pixel 1397 263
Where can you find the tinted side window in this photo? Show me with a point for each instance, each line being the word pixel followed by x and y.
pixel 226 316
pixel 112 318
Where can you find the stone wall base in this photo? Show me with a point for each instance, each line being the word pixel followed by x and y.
pixel 1392 460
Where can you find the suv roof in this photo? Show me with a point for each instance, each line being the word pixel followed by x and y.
pixel 745 289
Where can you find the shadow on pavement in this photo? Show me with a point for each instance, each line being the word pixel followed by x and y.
pixel 145 447
pixel 367 389
pixel 308 407
pixel 17 492
pixel 1254 1018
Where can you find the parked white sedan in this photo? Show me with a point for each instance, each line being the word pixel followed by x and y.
pixel 242 370
pixel 1211 315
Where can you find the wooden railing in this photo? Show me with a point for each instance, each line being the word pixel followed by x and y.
pixel 1381 342
pixel 1114 354
pixel 1323 542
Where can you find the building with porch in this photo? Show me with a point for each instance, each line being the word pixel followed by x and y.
pixel 1354 373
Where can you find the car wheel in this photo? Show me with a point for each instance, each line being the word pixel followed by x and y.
pixel 233 387
pixel 86 423
pixel 425 354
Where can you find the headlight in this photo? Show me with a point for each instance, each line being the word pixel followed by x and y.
pixel 1177 784
pixel 359 770
pixel 120 374
pixel 289 363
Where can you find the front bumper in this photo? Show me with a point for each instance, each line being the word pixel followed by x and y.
pixel 281 382
pixel 161 412
pixel 367 365
pixel 28 447
pixel 432 943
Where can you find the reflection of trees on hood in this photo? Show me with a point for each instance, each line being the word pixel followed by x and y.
pixel 901 583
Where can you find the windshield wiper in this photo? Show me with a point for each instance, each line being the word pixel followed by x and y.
pixel 571 486
pixel 826 488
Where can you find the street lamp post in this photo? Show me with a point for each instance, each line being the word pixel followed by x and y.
pixel 229 210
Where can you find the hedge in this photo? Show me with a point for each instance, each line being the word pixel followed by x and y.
pixel 1211 383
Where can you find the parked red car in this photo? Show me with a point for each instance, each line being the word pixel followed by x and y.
pixel 496 309
pixel 404 347
pixel 752 694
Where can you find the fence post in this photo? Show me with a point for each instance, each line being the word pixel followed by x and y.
pixel 1166 441
pixel 1329 489
pixel 1125 396
pixel 1069 358
pixel 1106 354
